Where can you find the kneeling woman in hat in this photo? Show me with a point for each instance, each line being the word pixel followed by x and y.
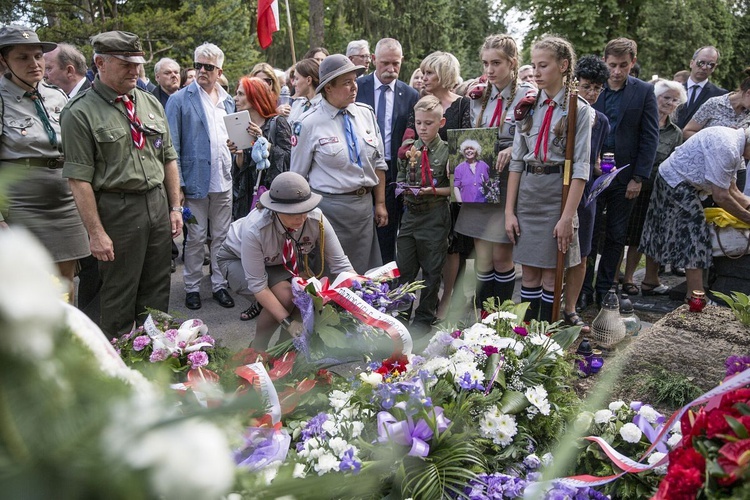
pixel 265 249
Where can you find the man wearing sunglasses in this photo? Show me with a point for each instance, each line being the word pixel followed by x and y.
pixel 698 88
pixel 195 116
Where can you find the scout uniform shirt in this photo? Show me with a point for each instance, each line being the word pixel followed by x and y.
pixel 320 152
pixel 437 153
pixel 258 240
pixel 507 129
pixel 525 142
pixel 23 134
pixel 114 163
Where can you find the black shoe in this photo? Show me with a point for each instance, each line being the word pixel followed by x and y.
pixel 584 300
pixel 600 299
pixel 193 300
pixel 223 298
pixel 173 266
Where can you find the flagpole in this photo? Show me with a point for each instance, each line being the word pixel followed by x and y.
pixel 291 34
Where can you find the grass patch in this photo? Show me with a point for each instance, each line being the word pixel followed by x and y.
pixel 658 386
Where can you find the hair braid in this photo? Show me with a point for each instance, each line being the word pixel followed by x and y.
pixel 485 100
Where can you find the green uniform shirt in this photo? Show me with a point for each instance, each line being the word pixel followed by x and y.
pixel 437 152
pixel 99 148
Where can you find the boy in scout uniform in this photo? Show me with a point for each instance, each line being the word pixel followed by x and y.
pixel 423 238
pixel 122 170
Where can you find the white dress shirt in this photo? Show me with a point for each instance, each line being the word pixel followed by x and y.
pixel 388 121
pixel 221 159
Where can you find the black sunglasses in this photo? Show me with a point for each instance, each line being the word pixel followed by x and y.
pixel 208 67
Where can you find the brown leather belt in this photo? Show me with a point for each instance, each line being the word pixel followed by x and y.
pixel 544 169
pixel 358 192
pixel 53 163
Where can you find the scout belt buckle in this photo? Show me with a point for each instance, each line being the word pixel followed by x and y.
pixel 361 191
pixel 538 169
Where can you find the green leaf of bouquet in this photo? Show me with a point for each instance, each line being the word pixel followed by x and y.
pixel 327 317
pixel 332 337
pixel 513 402
pixel 726 298
pixel 741 298
pixel 743 408
pixel 566 336
pixel 520 310
pixel 737 427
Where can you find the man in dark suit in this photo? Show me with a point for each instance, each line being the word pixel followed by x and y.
pixel 698 88
pixel 167 76
pixel 630 105
pixel 66 67
pixel 392 101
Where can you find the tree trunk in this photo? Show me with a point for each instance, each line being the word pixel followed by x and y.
pixel 317 26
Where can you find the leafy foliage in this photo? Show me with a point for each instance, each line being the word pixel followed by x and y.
pixel 740 305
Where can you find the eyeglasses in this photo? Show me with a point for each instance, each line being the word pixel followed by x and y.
pixel 268 81
pixel 705 64
pixel 361 56
pixel 207 67
pixel 591 89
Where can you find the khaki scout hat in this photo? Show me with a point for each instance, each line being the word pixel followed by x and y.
pixel 290 194
pixel 15 34
pixel 120 44
pixel 336 65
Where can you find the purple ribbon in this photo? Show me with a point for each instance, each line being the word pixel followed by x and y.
pixel 651 433
pixel 407 433
pixel 263 446
pixel 403 186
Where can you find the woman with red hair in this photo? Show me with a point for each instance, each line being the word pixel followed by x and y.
pixel 254 96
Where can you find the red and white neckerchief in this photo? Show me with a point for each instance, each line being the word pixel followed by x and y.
pixel 543 137
pixel 497 114
pixel 135 123
pixel 289 256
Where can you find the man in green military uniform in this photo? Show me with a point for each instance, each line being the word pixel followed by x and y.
pixel 122 170
pixel 423 237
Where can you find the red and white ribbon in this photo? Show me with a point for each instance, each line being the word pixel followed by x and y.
pixel 630 466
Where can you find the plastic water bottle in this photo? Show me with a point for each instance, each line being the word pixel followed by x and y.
pixel 285 97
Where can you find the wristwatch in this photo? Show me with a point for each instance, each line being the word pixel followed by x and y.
pixel 638 179
pixel 177 209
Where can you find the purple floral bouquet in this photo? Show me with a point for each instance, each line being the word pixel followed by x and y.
pixel 161 339
pixel 490 189
pixel 346 320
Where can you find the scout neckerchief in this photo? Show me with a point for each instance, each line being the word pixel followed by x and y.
pixel 352 142
pixel 543 137
pixel 426 170
pixel 41 112
pixel 495 121
pixel 135 123
pixel 288 254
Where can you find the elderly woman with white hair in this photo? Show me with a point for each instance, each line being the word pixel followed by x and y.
pixel 675 229
pixel 669 96
pixel 470 174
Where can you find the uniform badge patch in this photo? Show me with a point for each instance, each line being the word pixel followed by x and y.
pixel 328 140
pixel 297 128
pixel 158 142
pixel 293 140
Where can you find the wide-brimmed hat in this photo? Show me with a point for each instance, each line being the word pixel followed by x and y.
pixel 336 65
pixel 120 44
pixel 16 34
pixel 290 194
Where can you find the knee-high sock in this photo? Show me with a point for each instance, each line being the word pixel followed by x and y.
pixel 505 283
pixel 485 287
pixel 533 296
pixel 545 308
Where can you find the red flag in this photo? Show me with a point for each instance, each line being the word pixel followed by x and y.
pixel 268 21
